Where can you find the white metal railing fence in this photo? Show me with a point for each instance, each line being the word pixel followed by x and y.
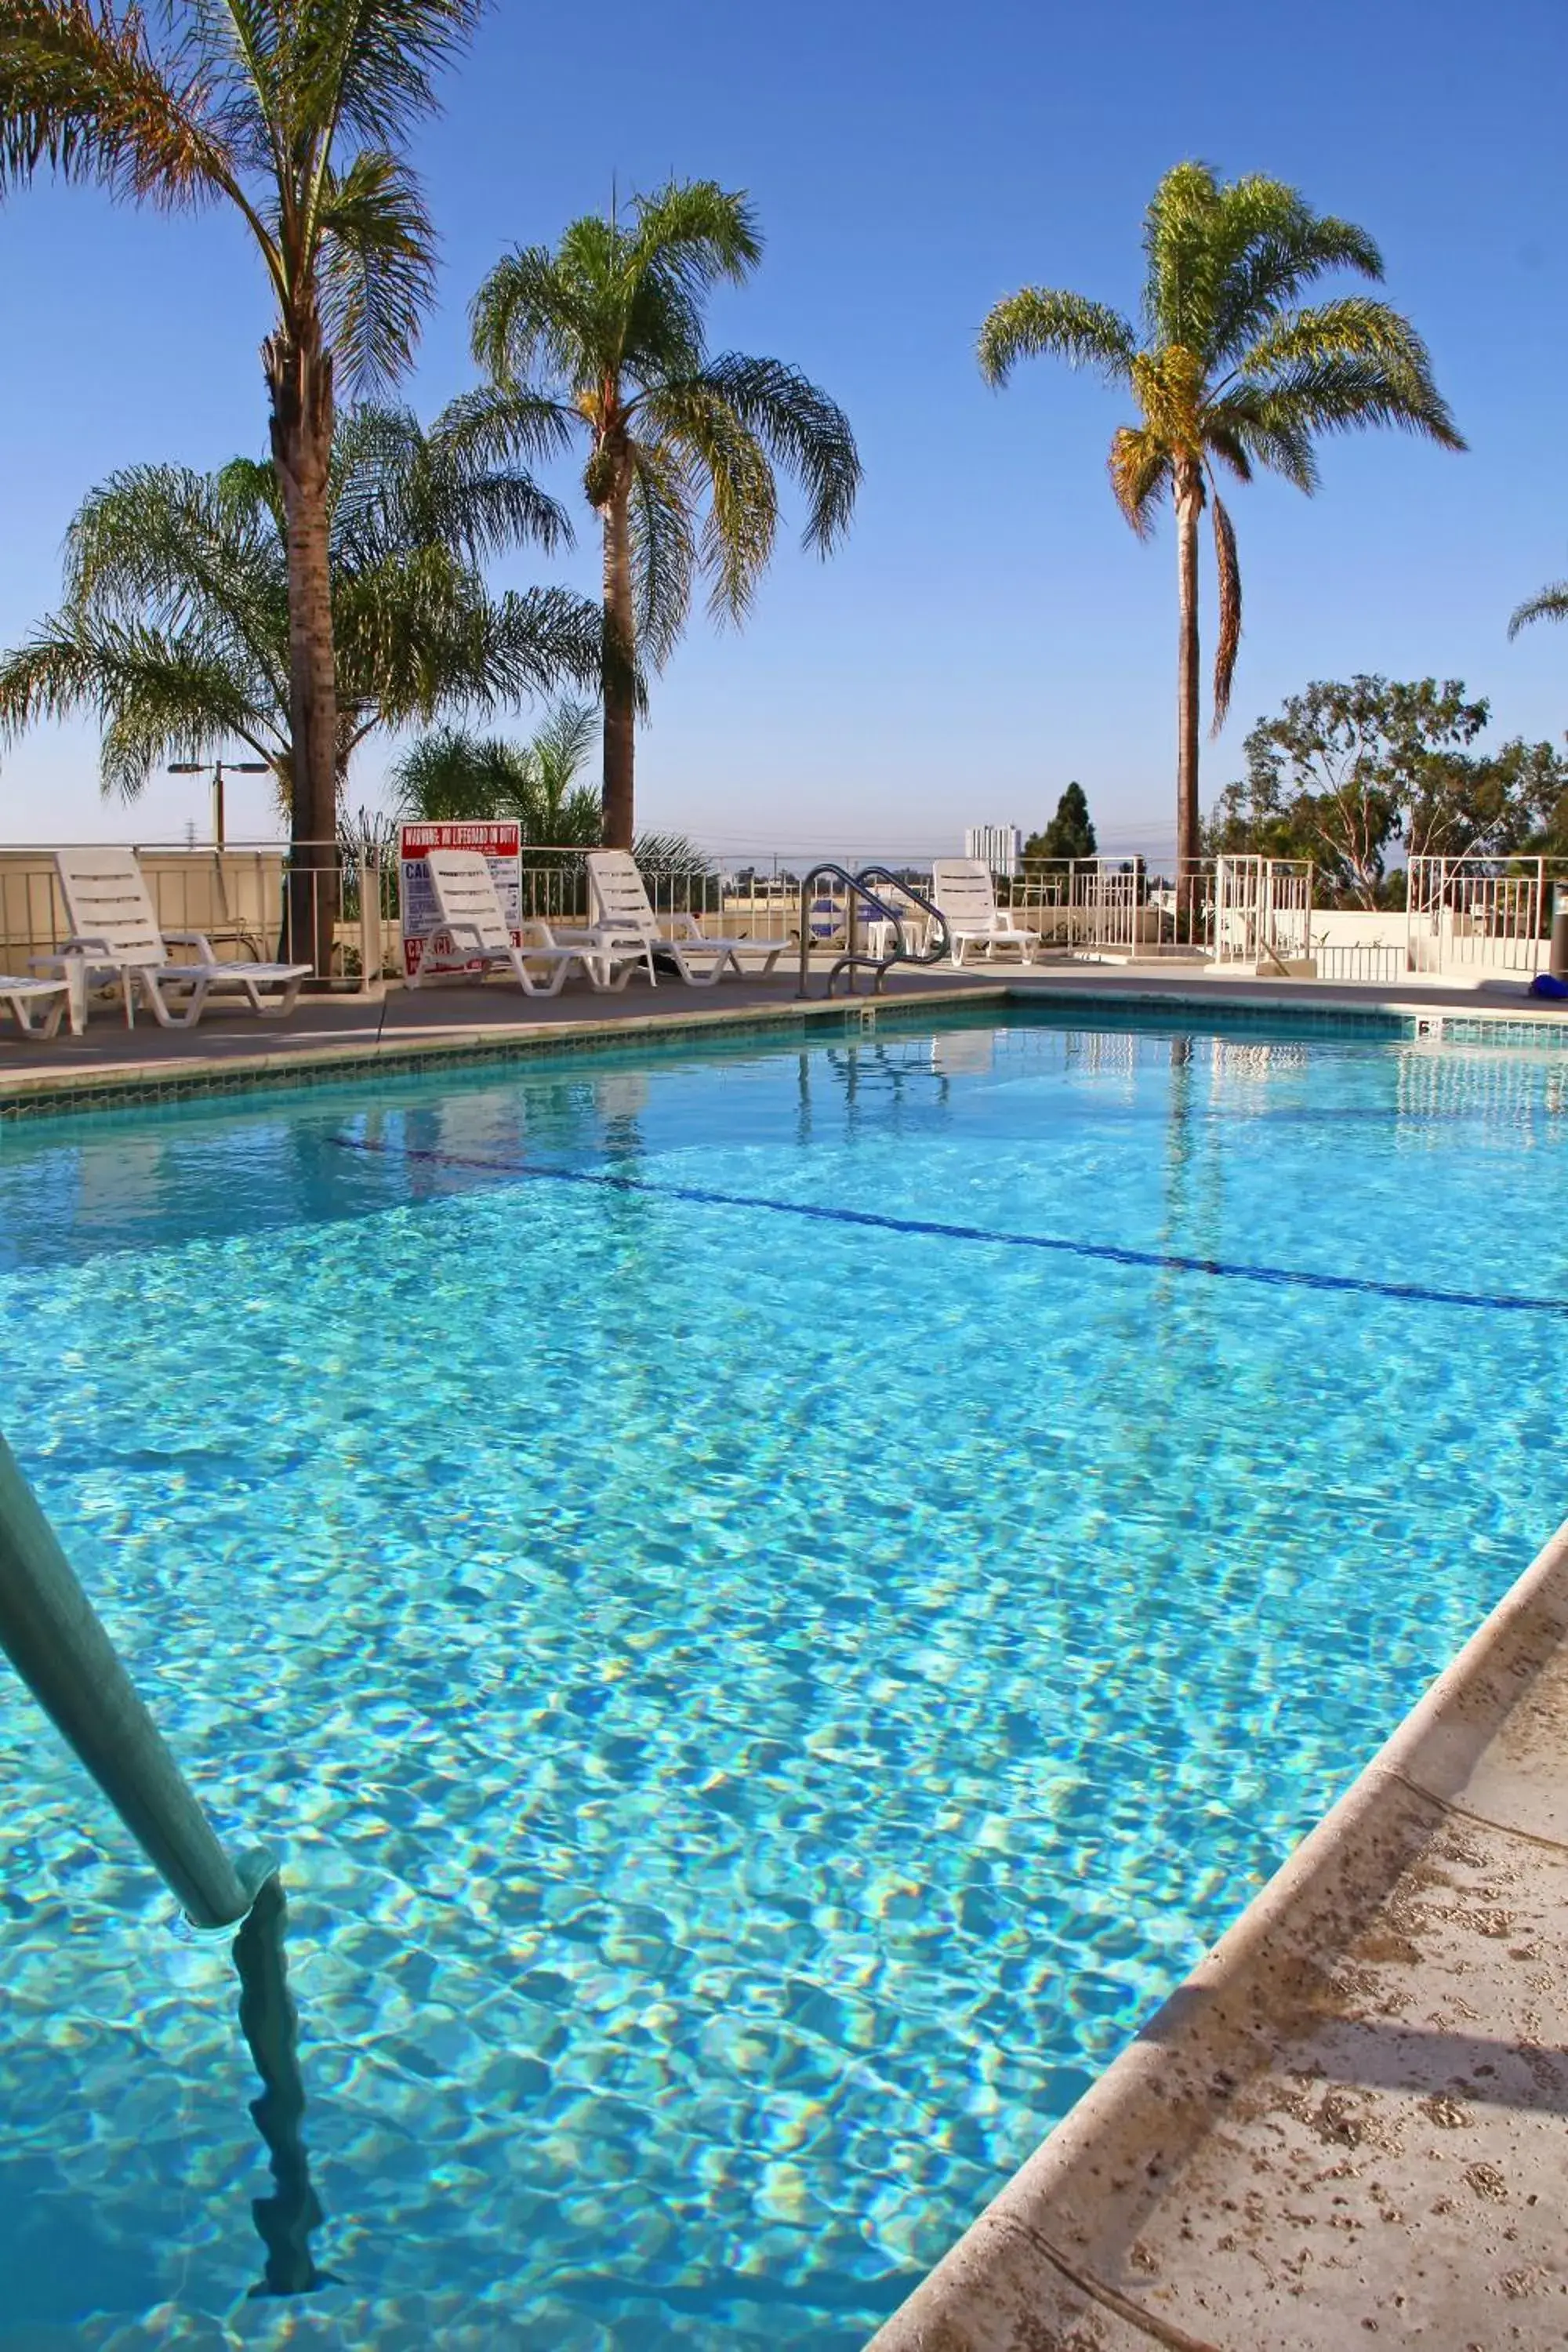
pixel 1358 960
pixel 1262 911
pixel 1082 904
pixel 1481 913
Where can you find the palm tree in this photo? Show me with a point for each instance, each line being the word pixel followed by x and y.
pixel 605 337
pixel 453 776
pixel 1550 604
pixel 174 629
pixel 1228 372
pixel 296 113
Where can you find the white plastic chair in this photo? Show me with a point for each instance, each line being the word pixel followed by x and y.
pixel 471 910
pixel 48 998
pixel 623 918
pixel 115 935
pixel 964 890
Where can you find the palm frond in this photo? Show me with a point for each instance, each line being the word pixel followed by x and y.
pixel 532 315
pixel 492 426
pixel 157 693
pixel 377 268
pixel 802 430
pixel 1229 449
pixel 1229 637
pixel 1550 604
pixel 369 66
pixel 1179 249
pixel 695 423
pixel 1334 395
pixel 1268 432
pixel 397 488
pixel 664 549
pixel 82 93
pixel 1042 320
pixel 1271 247
pixel 1354 327
pixel 696 232
pixel 1140 468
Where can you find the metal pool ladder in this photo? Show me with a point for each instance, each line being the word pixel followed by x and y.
pixel 862 888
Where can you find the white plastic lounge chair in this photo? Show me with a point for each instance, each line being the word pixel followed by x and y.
pixel 471 910
pixel 114 936
pixel 624 917
pixel 963 888
pixel 48 998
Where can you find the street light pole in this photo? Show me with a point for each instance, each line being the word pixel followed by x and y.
pixel 215 767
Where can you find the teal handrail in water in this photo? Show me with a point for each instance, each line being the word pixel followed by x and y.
pixel 51 1632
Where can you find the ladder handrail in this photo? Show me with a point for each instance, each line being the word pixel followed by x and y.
pixel 858 886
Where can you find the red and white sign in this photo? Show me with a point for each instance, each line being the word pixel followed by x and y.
pixel 500 845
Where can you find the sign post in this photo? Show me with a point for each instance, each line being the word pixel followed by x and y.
pixel 501 844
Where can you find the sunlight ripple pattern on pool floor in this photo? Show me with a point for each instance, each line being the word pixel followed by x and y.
pixel 756 1709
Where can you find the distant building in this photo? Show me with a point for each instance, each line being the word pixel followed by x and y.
pixel 1001 845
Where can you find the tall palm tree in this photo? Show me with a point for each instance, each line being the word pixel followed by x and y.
pixel 296 113
pixel 174 628
pixel 605 337
pixel 1550 604
pixel 1230 372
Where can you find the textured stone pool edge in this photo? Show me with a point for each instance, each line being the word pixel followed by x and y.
pixel 31 1095
pixel 1095 2243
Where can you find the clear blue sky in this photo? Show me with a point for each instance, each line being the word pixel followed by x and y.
pixel 992 628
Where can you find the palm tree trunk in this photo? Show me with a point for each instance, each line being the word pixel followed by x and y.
pixel 300 379
pixel 1189 505
pixel 620 671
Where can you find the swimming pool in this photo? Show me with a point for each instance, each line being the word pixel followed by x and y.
pixel 772 1600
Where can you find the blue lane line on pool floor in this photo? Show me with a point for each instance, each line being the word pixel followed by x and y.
pixel 1108 1253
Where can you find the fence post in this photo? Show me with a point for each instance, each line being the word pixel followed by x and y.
pixel 52 1636
pixel 369 922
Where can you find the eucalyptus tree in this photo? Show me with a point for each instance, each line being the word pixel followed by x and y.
pixel 1228 372
pixel 175 631
pixel 603 340
pixel 296 114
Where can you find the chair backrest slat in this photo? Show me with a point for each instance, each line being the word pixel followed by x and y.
pixel 106 898
pixel 464 889
pixel 963 889
pixel 620 895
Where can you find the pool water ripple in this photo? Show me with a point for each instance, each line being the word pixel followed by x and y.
pixel 756 1712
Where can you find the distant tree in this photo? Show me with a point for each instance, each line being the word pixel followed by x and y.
pixel 1070 833
pixel 1351 773
pixel 605 337
pixel 1230 372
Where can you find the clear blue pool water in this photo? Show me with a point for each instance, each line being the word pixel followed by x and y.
pixel 756 1705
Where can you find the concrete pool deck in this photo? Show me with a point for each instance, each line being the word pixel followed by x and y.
pixel 228 1046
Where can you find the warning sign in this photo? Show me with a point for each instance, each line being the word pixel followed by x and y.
pixel 501 844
